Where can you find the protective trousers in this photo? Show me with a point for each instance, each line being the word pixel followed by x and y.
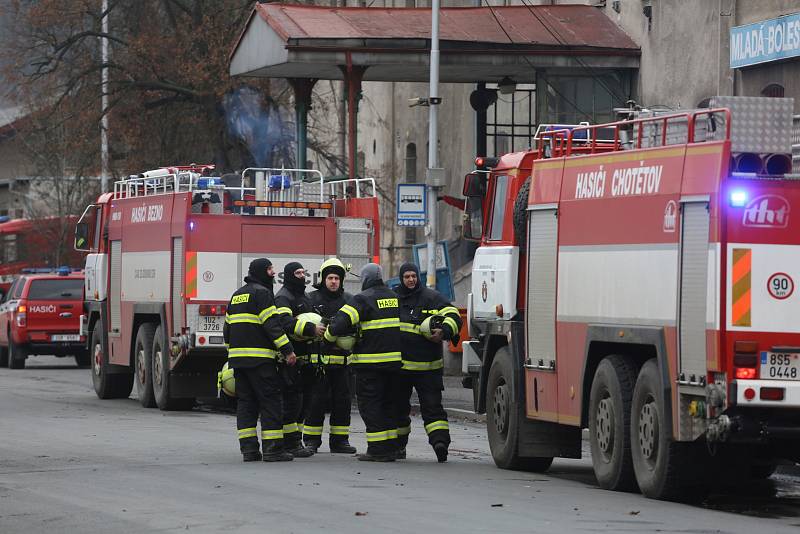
pixel 429 386
pixel 331 390
pixel 376 391
pixel 258 390
pixel 292 404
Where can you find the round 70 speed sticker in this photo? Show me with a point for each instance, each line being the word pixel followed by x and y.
pixel 780 286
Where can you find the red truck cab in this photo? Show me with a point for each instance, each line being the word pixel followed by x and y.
pixel 40 314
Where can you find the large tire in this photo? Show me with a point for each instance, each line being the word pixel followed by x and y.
pixel 521 215
pixel 502 418
pixel 143 364
pixel 609 423
pixel 16 355
pixel 107 386
pixel 665 469
pixel 3 357
pixel 83 359
pixel 161 372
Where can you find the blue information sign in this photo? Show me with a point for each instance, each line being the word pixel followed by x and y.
pixel 768 40
pixel 411 205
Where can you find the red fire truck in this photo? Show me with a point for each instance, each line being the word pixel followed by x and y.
pixel 643 287
pixel 28 243
pixel 168 247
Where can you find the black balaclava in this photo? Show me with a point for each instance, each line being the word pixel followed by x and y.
pixel 402 289
pixel 257 272
pixel 331 269
pixel 371 275
pixel 290 281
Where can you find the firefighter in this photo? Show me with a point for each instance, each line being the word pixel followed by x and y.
pixel 426 318
pixel 256 341
pixel 334 381
pixel 376 359
pixel 291 300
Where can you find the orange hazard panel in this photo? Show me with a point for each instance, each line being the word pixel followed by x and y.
pixel 741 295
pixel 191 274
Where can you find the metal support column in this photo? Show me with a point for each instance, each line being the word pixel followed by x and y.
pixel 352 77
pixel 302 88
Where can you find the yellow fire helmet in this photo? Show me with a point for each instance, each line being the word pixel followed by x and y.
pixel 332 262
pixel 429 325
pixel 308 317
pixel 346 342
pixel 226 382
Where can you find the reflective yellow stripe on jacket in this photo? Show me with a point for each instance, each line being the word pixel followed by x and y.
pixel 410 328
pixel 252 352
pixel 380 357
pixel 391 322
pixel 239 318
pixel 332 359
pixel 411 365
pixel 352 313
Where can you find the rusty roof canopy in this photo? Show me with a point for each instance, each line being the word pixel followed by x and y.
pixel 292 41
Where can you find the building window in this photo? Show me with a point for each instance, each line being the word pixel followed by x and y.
pixel 773 90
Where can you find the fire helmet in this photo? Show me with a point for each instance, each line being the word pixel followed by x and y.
pixel 308 317
pixel 430 324
pixel 226 382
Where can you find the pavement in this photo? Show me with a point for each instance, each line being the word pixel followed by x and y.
pixel 70 462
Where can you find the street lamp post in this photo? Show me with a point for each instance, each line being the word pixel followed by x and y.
pixel 433 176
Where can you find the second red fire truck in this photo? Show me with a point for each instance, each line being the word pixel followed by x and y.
pixel 168 247
pixel 638 279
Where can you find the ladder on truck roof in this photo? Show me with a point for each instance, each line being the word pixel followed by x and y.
pixel 256 191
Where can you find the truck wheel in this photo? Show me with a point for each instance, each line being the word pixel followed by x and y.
pixel 107 386
pixel 665 469
pixel 3 357
pixel 82 359
pixel 502 418
pixel 160 360
pixel 521 215
pixel 609 423
pixel 143 364
pixel 16 356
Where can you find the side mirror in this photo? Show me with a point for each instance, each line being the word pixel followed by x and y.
pixel 474 185
pixel 82 237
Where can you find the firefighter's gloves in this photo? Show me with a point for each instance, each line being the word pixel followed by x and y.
pixel 320 330
pixel 437 335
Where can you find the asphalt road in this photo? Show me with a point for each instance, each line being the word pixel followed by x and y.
pixel 70 462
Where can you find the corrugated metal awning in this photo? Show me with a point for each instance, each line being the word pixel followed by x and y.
pixel 477 44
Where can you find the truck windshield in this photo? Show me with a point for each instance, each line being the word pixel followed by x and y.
pixel 64 289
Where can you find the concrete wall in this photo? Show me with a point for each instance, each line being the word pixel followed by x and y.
pixel 685 49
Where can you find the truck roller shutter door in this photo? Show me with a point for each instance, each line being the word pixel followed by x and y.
pixel 541 304
pixel 116 286
pixel 177 285
pixel 354 238
pixel 693 289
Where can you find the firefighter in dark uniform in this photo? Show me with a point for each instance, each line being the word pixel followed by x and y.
pixel 291 300
pixel 332 386
pixel 256 341
pixel 422 358
pixel 376 359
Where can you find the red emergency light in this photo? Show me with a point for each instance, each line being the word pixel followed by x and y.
pixel 213 309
